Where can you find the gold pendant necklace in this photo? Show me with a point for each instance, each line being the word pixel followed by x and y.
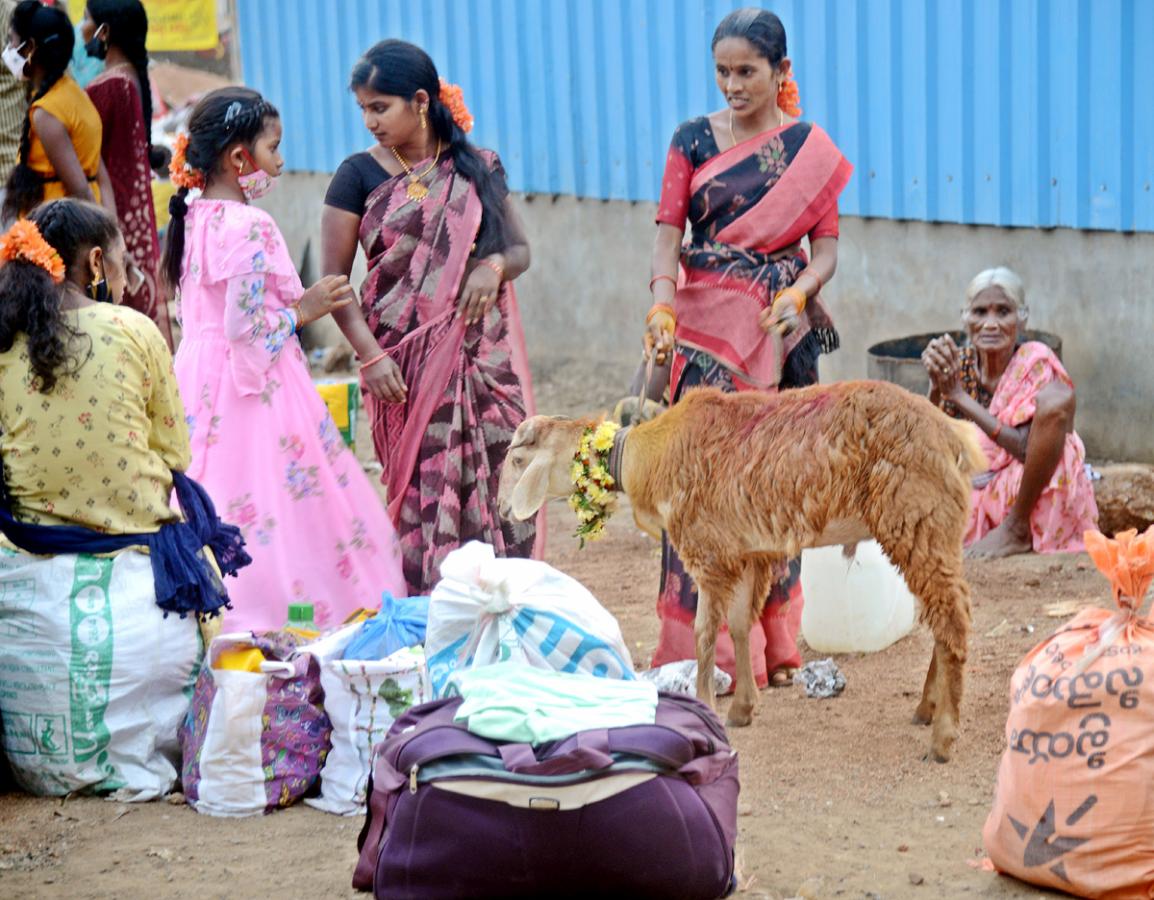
pixel 416 190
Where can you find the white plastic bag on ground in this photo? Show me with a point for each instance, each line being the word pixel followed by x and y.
pixel 362 698
pixel 94 680
pixel 487 610
pixel 680 677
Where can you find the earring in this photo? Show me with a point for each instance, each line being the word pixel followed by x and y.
pixel 424 122
pixel 98 290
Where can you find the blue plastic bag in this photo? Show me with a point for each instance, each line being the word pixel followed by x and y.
pixel 399 624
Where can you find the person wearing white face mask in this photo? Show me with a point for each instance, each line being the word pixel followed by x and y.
pixel 59 152
pixel 263 443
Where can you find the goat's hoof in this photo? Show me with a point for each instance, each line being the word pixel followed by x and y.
pixel 739 719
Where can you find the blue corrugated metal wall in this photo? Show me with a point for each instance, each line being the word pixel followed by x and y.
pixel 1001 112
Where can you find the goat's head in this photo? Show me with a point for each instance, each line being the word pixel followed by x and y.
pixel 537 465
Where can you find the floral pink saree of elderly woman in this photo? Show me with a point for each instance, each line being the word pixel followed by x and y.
pixel 748 210
pixel 468 387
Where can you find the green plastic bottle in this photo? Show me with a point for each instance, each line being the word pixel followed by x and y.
pixel 300 620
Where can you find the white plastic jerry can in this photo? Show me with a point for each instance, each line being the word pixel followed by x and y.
pixel 855 604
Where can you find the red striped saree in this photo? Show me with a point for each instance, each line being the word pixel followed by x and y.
pixel 747 210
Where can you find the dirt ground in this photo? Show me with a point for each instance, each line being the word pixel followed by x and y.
pixel 836 798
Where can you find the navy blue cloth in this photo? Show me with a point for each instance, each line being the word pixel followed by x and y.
pixel 184 578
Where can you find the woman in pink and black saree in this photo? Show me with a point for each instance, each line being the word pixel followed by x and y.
pixel 737 304
pixel 437 332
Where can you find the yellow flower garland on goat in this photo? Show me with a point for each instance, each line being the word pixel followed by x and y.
pixel 593 499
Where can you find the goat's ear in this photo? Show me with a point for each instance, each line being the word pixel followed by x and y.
pixel 525 435
pixel 529 491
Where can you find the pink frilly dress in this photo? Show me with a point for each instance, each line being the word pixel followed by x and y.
pixel 263 443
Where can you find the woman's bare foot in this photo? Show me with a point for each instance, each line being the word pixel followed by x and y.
pixel 1008 539
pixel 781 677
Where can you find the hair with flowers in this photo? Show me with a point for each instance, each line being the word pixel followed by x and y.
pixel 36 254
pixel 24 242
pixel 220 120
pixel 787 97
pixel 400 69
pixel 182 174
pixel 454 98
pixel 766 35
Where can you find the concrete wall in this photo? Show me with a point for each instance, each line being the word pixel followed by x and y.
pixel 586 294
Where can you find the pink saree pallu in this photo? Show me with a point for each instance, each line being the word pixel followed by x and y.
pixel 468 387
pixel 1067 509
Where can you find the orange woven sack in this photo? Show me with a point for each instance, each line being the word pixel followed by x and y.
pixel 1074 803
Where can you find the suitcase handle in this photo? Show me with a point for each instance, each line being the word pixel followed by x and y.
pixel 591 752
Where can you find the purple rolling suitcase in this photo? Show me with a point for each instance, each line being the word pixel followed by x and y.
pixel 643 811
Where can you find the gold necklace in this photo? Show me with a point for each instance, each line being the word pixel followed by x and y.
pixel 416 190
pixel 733 139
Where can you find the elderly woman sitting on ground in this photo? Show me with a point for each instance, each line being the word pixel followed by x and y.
pixel 1036 494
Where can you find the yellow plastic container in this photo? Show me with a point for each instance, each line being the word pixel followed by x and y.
pixel 240 659
pixel 343 398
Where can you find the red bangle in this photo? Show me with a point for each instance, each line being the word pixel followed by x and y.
pixel 496 267
pixel 997 431
pixel 372 362
pixel 657 278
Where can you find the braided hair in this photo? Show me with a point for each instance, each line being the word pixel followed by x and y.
pixel 400 69
pixel 127 24
pixel 221 119
pixel 30 300
pixel 51 29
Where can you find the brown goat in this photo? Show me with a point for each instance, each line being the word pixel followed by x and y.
pixel 741 482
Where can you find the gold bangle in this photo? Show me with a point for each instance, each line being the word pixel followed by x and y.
pixel 660 308
pixel 797 293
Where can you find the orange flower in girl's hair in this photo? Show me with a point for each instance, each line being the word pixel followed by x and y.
pixel 454 98
pixel 788 98
pixel 25 242
pixel 181 173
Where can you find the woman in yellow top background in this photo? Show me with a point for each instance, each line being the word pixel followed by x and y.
pixel 91 419
pixel 60 144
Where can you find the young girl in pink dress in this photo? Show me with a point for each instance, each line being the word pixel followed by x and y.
pixel 263 443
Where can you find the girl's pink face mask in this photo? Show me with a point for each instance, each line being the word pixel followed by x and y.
pixel 256 183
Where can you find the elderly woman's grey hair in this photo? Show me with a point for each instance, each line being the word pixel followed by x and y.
pixel 1004 279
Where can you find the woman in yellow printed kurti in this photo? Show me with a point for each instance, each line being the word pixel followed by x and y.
pixel 97 449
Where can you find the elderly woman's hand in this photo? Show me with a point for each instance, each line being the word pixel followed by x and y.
pixel 943 363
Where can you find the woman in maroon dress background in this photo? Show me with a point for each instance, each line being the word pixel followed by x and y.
pixel 115 31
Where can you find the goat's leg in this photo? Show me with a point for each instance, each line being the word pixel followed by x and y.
pixel 740 622
pixel 929 555
pixel 924 714
pixel 748 597
pixel 711 600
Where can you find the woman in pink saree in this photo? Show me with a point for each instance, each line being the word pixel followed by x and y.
pixel 737 304
pixel 1036 494
pixel 443 366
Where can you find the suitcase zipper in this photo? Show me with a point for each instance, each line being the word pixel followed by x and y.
pixel 413 778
